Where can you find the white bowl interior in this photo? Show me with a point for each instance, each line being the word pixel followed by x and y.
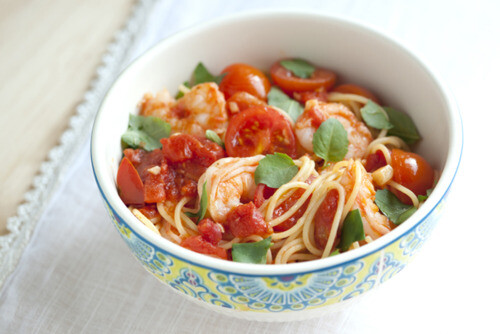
pixel 356 53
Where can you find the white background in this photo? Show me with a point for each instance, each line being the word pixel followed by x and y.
pixel 77 276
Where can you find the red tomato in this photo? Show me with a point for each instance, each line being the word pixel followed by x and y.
pixel 374 161
pixel 246 220
pixel 202 246
pixel 358 90
pixel 244 78
pixel 210 231
pixel 259 130
pixel 320 79
pixel 285 206
pixel 411 171
pixel 324 218
pixel 130 186
pixel 183 147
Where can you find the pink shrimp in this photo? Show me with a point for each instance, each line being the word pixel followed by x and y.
pixel 200 109
pixel 317 112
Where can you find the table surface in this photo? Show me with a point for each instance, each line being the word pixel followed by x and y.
pixel 49 68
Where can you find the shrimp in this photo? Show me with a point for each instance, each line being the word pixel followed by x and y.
pixel 317 112
pixel 200 109
pixel 229 182
pixel 356 179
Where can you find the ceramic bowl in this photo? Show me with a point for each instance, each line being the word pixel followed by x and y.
pixel 359 54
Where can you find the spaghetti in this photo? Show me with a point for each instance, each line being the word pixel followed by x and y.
pixel 195 196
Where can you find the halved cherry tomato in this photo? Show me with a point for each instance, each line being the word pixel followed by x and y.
pixel 323 218
pixel 321 78
pixel 358 90
pixel 244 78
pixel 130 186
pixel 259 130
pixel 412 171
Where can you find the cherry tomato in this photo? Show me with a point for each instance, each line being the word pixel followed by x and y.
pixel 244 78
pixel 412 172
pixel 199 245
pixel 259 130
pixel 320 79
pixel 357 90
pixel 130 186
pixel 324 218
pixel 374 161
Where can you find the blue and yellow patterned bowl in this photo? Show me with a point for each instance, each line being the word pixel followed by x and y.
pixel 358 53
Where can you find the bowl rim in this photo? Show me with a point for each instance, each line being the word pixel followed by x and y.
pixel 442 187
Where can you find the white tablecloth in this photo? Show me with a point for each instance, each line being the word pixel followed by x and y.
pixel 76 275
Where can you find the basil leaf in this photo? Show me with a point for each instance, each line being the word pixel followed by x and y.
pixel 203 205
pixel 390 205
pixel 422 198
pixel 253 252
pixel 145 132
pixel 374 116
pixel 299 67
pixel 352 230
pixel 330 141
pixel 277 98
pixel 211 135
pixel 405 215
pixel 402 126
pixel 335 252
pixel 202 75
pixel 275 170
pixel 181 94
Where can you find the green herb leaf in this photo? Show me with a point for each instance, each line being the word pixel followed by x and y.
pixel 422 198
pixel 375 116
pixel 390 205
pixel 277 98
pixel 253 252
pixel 402 126
pixel 211 135
pixel 181 94
pixel 335 252
pixel 275 170
pixel 330 141
pixel 145 132
pixel 201 75
pixel 299 67
pixel 352 230
pixel 203 205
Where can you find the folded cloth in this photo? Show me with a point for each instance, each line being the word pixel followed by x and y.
pixel 76 275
